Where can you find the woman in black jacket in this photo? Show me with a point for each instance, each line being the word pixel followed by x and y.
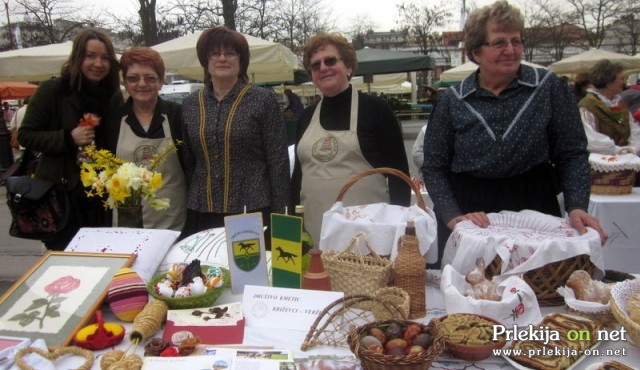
pixel 89 83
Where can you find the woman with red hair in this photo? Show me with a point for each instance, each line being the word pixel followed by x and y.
pixel 146 125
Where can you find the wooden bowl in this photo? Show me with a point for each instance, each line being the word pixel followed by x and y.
pixel 469 352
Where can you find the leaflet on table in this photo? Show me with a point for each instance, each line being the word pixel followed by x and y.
pixel 283 308
pixel 223 324
pixel 245 245
pixel 222 358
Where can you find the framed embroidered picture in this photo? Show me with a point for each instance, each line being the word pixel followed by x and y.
pixel 58 295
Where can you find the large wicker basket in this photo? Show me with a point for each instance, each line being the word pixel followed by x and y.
pixel 612 183
pixel 620 294
pixel 378 361
pixel 545 280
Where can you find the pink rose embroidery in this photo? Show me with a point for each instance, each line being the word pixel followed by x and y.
pixel 63 285
pixel 42 308
pixel 519 309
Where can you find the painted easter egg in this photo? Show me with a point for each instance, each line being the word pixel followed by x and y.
pixel 127 294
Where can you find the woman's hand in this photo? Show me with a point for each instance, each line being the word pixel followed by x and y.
pixel 83 135
pixel 579 220
pixel 478 218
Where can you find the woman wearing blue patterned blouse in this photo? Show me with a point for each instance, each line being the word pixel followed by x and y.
pixel 507 137
pixel 236 155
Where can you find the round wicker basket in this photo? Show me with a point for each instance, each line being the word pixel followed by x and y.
pixel 203 300
pixel 620 294
pixel 612 183
pixel 378 361
pixel 545 280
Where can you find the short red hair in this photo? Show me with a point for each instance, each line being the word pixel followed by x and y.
pixel 144 56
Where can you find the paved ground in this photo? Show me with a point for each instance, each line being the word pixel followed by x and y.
pixel 16 255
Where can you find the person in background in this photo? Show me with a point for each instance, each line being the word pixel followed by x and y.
pixel 631 99
pixel 89 83
pixel 346 133
pixel 14 125
pixel 7 112
pixel 295 105
pixel 235 144
pixel 499 138
pixel 605 120
pixel 146 125
pixel 581 85
pixel 316 99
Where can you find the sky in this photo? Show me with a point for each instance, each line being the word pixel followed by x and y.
pixel 383 12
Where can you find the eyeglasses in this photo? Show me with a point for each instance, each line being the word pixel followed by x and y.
pixel 147 79
pixel 502 44
pixel 328 61
pixel 218 54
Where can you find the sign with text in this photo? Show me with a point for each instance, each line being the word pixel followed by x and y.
pixel 247 256
pixel 283 308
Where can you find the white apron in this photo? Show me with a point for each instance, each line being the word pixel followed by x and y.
pixel 140 150
pixel 328 160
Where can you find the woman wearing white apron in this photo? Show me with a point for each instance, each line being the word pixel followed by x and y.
pixel 146 125
pixel 344 134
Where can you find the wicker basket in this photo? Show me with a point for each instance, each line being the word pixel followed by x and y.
pixel 203 300
pixel 545 280
pixel 620 294
pixel 612 183
pixel 355 273
pixel 378 361
pixel 394 295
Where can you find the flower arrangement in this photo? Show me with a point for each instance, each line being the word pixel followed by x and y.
pixel 124 184
pixel 617 113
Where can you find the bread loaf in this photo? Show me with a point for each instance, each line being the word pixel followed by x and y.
pixel 587 289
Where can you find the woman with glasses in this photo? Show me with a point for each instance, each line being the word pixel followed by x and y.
pixel 507 137
pixel 89 83
pixel 147 125
pixel 236 156
pixel 346 133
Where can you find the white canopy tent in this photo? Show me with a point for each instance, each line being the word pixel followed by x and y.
pixel 393 83
pixel 460 72
pixel 270 61
pixel 584 61
pixel 38 63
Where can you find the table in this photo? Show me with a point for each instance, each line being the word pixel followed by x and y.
pixel 619 216
pixel 292 339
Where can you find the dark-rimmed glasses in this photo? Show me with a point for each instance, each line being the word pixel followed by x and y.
pixel 226 54
pixel 328 61
pixel 502 44
pixel 147 79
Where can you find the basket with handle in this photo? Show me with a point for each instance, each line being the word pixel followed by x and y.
pixel 352 272
pixel 383 223
pixel 383 170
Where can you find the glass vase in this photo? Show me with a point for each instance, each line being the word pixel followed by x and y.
pixel 130 217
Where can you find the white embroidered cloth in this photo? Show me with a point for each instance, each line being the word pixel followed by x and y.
pixel 524 240
pixel 613 163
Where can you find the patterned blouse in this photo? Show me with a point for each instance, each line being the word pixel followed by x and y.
pixel 532 121
pixel 238 162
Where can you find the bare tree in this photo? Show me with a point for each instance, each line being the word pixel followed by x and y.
pixel 550 29
pixel 626 29
pixel 595 18
pixel 298 20
pixel 360 27
pixel 46 18
pixel 423 24
pixel 257 18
